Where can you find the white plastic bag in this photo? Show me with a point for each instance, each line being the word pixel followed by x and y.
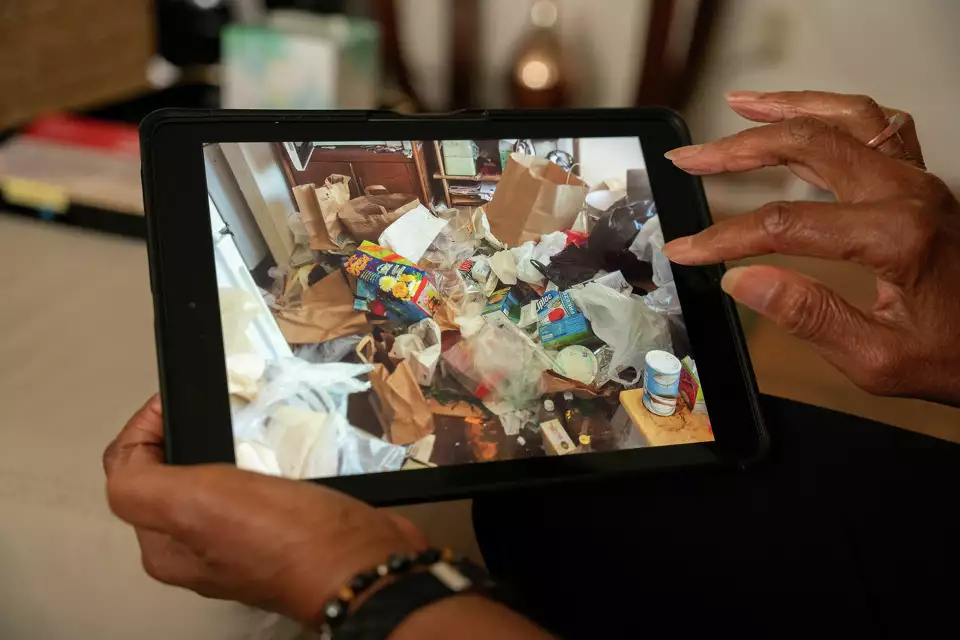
pixel 244 365
pixel 662 273
pixel 550 245
pixel 504 264
pixel 626 324
pixel 664 299
pixel 361 453
pixel 299 415
pixel 648 246
pixel 421 346
pixel 481 229
pixel 523 255
pixel 649 236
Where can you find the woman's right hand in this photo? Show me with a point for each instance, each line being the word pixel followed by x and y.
pixel 891 216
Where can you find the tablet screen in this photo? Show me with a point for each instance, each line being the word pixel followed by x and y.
pixel 404 304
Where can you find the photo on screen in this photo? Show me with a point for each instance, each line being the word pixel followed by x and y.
pixel 404 304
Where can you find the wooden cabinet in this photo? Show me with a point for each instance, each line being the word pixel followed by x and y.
pixel 366 168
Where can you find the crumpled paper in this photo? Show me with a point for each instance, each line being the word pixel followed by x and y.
pixel 504 264
pixel 413 233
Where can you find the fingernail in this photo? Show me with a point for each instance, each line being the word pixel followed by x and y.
pixel 750 287
pixel 676 249
pixel 743 96
pixel 682 153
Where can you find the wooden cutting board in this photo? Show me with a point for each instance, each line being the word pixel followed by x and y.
pixel 682 427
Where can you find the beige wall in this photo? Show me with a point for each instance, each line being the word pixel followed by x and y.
pixel 606 38
pixel 904 54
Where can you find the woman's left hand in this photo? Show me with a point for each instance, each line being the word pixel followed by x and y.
pixel 891 216
pixel 281 545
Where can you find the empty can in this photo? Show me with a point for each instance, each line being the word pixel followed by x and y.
pixel 661 382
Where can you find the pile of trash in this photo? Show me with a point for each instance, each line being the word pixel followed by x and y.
pixel 436 336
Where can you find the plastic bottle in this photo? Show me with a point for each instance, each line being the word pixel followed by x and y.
pixel 548 411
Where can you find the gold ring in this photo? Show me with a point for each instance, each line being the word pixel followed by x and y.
pixel 894 123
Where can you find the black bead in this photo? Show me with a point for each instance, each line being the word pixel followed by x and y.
pixel 398 563
pixel 429 557
pixel 363 581
pixel 334 611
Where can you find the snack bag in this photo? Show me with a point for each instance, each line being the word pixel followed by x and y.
pixel 405 290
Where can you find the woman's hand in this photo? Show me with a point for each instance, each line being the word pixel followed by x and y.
pixel 277 544
pixel 891 216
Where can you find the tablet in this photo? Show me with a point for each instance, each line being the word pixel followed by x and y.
pixel 412 308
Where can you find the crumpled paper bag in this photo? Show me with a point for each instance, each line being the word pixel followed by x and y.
pixel 319 210
pixel 534 197
pixel 398 399
pixel 326 312
pixel 367 217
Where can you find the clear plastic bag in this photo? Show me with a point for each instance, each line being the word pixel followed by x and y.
pixel 455 242
pixel 362 453
pixel 245 366
pixel 648 246
pixel 300 415
pixel 462 294
pixel 650 234
pixel 336 350
pixel 662 273
pixel 664 299
pixel 421 347
pixel 626 324
pixel 509 366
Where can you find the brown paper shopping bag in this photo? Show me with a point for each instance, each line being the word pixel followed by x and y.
pixel 398 400
pixel 326 312
pixel 367 216
pixel 534 197
pixel 319 210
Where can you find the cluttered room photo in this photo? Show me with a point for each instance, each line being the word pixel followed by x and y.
pixel 394 305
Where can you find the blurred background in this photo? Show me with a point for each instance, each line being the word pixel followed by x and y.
pixel 76 338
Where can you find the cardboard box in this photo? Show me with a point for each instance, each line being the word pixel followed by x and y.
pixel 560 322
pixel 466 167
pixel 405 290
pixel 503 303
pixel 556 442
pixel 690 390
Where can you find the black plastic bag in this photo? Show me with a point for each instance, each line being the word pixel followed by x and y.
pixel 611 237
pixel 571 266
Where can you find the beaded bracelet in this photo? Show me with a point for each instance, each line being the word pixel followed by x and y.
pixel 336 610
